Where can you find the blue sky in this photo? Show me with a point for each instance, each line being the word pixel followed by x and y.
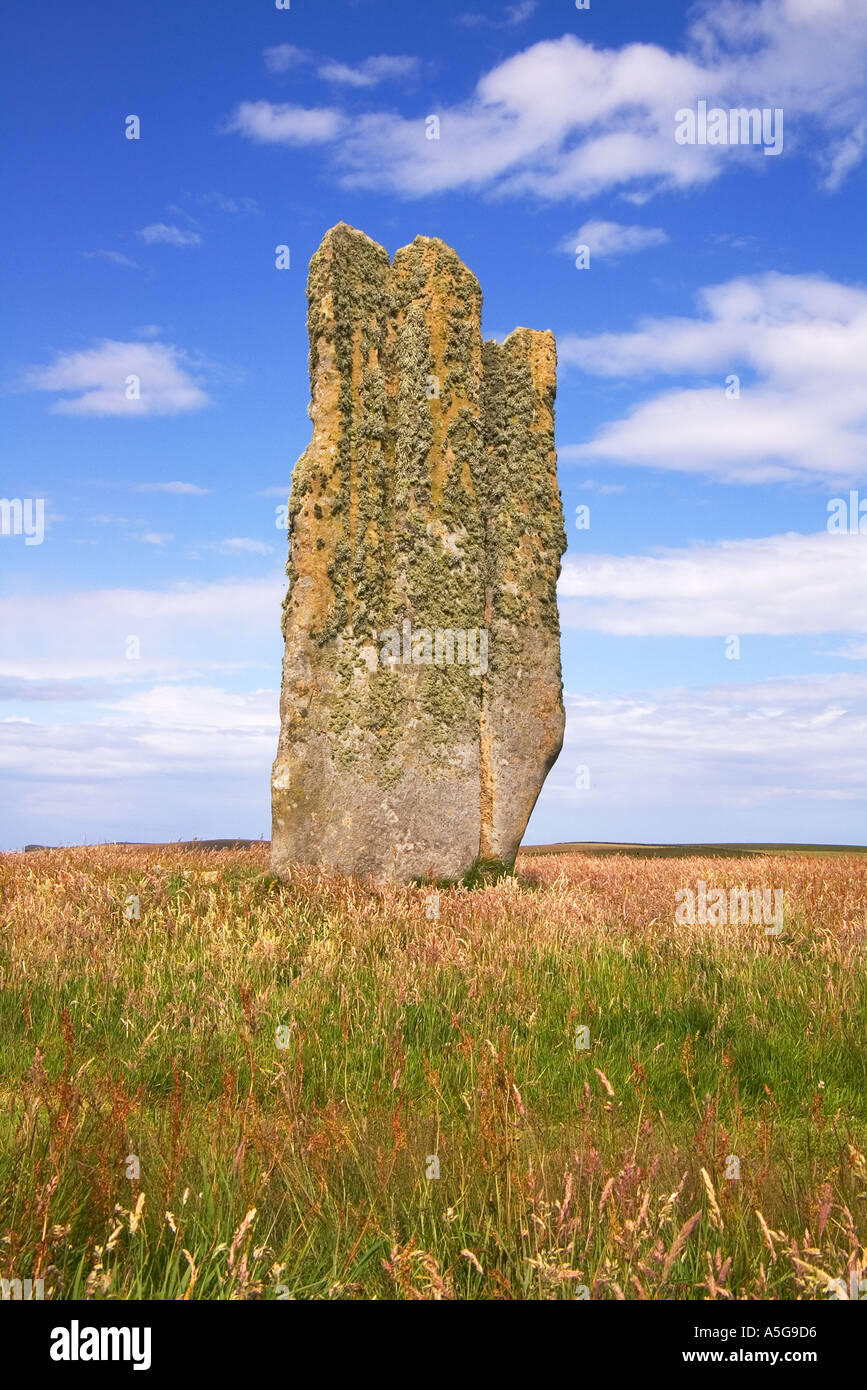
pixel 155 258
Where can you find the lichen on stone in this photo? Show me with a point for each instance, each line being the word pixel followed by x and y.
pixel 428 498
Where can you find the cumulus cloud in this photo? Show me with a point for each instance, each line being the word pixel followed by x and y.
pixel 612 239
pixel 775 585
pixel 120 378
pixel 804 415
pixel 282 124
pixel 565 119
pixel 159 233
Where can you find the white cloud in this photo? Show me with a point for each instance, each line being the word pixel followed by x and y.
pixel 775 585
pixel 179 489
pixel 783 759
pixel 723 762
pixel 234 206
pixel 184 632
pixel 243 545
pixel 846 155
pixel 100 375
pixel 604 489
pixel 369 73
pixel 145 748
pixel 853 651
pixel 282 124
pixel 158 748
pixel 512 16
pixel 167 763
pixel 156 538
pixel 805 416
pixel 565 119
pixel 161 233
pixel 116 257
pixel 283 56
pixel 206 709
pixel 182 212
pixel 612 239
pixel 772 320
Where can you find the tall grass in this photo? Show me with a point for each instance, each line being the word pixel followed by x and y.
pixel 301 1170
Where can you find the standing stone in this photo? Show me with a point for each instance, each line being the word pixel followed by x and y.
pixel 421 707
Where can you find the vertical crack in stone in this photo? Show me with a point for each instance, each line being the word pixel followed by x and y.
pixel 421 705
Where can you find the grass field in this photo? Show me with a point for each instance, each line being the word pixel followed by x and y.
pixel 303 1163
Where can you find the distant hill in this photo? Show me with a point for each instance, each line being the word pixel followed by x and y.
pixel 636 851
pixel 722 851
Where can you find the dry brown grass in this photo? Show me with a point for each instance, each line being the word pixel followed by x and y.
pixel 301 1170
